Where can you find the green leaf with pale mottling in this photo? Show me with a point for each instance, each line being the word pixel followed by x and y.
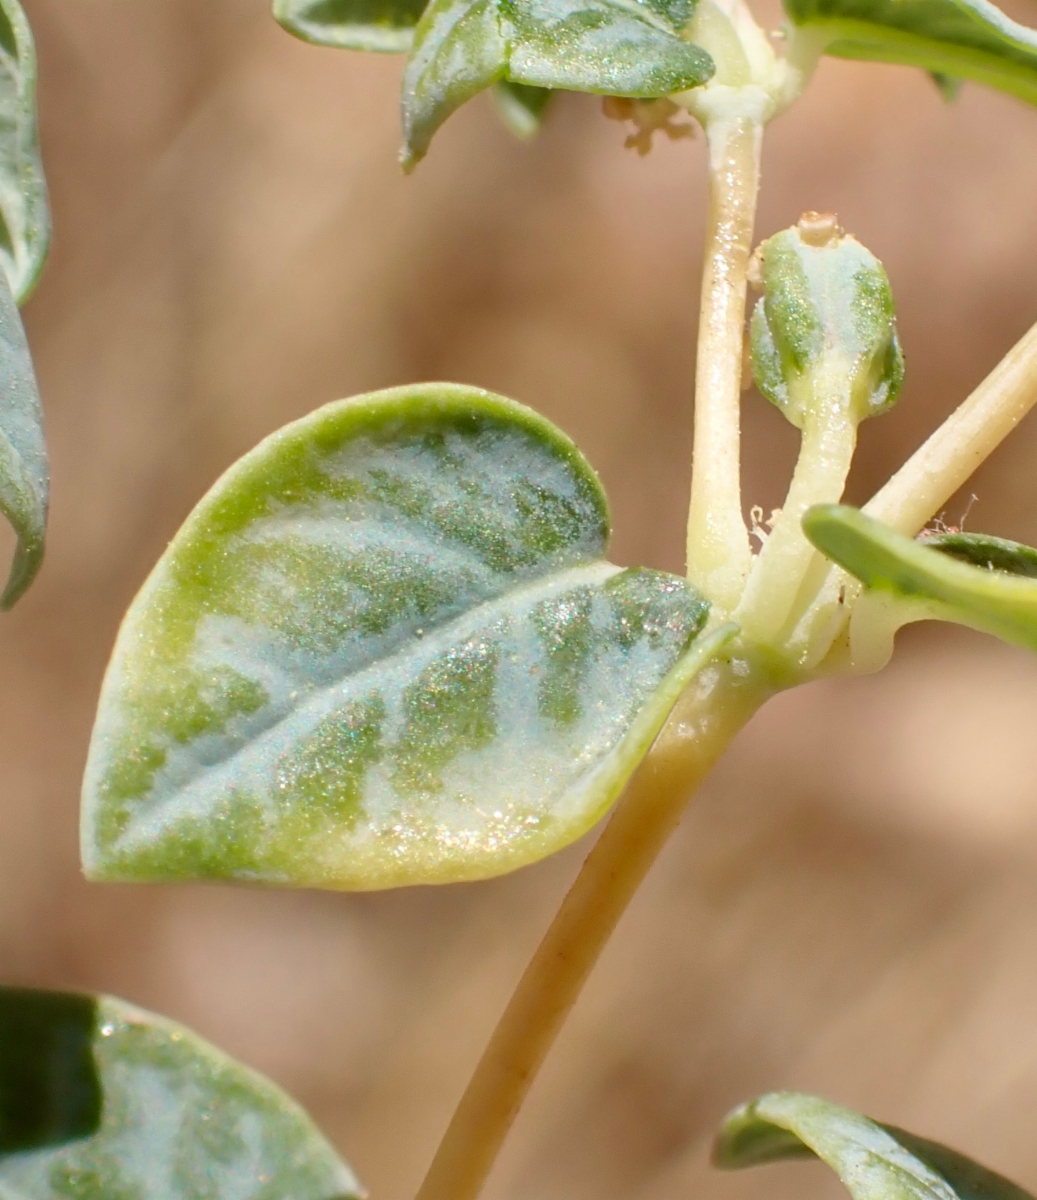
pixel 24 215
pixel 101 1101
pixel 986 583
pixel 962 39
pixel 382 25
pixel 385 649
pixel 23 452
pixel 874 1162
pixel 608 47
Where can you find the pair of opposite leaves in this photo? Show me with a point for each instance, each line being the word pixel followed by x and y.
pixel 101 1101
pixel 524 49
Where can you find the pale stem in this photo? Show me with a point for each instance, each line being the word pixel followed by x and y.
pixel 919 490
pixel 931 476
pixel 825 454
pixel 719 554
pixel 708 715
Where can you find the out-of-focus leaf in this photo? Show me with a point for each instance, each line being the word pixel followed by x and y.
pixel 980 581
pixel 609 47
pixel 949 86
pixel 24 217
pixel 382 25
pixel 101 1101
pixel 23 452
pixel 521 107
pixel 966 39
pixel 875 1162
pixel 385 649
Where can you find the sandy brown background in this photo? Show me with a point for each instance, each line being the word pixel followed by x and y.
pixel 851 905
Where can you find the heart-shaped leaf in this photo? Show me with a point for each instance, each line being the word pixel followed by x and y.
pixel 875 1162
pixel 24 217
pixel 975 580
pixel 609 47
pixel 962 39
pixel 101 1101
pixel 23 452
pixel 382 25
pixel 385 649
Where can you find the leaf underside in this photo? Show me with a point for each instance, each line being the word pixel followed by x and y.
pixel 24 216
pixel 23 452
pixel 608 47
pixel 960 39
pixel 24 236
pixel 385 649
pixel 874 1162
pixel 984 582
pixel 386 26
pixel 102 1101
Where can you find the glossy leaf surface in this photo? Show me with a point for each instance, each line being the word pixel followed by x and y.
pixel 983 582
pixel 382 25
pixel 385 649
pixel 964 39
pixel 101 1101
pixel 609 47
pixel 24 217
pixel 875 1162
pixel 23 452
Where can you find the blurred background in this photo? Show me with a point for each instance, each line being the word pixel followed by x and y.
pixel 850 906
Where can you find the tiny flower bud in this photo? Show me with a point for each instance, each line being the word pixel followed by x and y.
pixel 824 336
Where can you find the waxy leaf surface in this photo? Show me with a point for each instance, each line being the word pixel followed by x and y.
pixel 101 1101
pixel 987 583
pixel 609 47
pixel 24 217
pixel 23 452
pixel 385 649
pixel 960 39
pixel 382 25
pixel 875 1162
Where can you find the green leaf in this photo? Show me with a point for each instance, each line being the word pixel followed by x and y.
pixel 382 25
pixel 874 1162
pixel 101 1101
pixel 983 582
pixel 23 452
pixel 609 47
pixel 966 39
pixel 521 108
pixel 24 217
pixel 385 649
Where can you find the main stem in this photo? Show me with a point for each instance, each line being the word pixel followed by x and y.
pixel 716 706
pixel 719 554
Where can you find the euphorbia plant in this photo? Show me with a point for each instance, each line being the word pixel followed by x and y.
pixel 387 648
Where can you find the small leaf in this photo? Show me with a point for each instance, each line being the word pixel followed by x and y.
pixel 966 39
pixel 999 596
pixel 874 1162
pixel 385 649
pixel 23 452
pixel 382 25
pixel 101 1101
pixel 608 47
pixel 521 108
pixel 24 217
pixel 949 86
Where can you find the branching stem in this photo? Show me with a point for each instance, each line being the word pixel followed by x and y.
pixel 720 701
pixel 719 554
pixel 931 476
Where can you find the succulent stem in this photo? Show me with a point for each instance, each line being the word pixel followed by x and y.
pixel 716 706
